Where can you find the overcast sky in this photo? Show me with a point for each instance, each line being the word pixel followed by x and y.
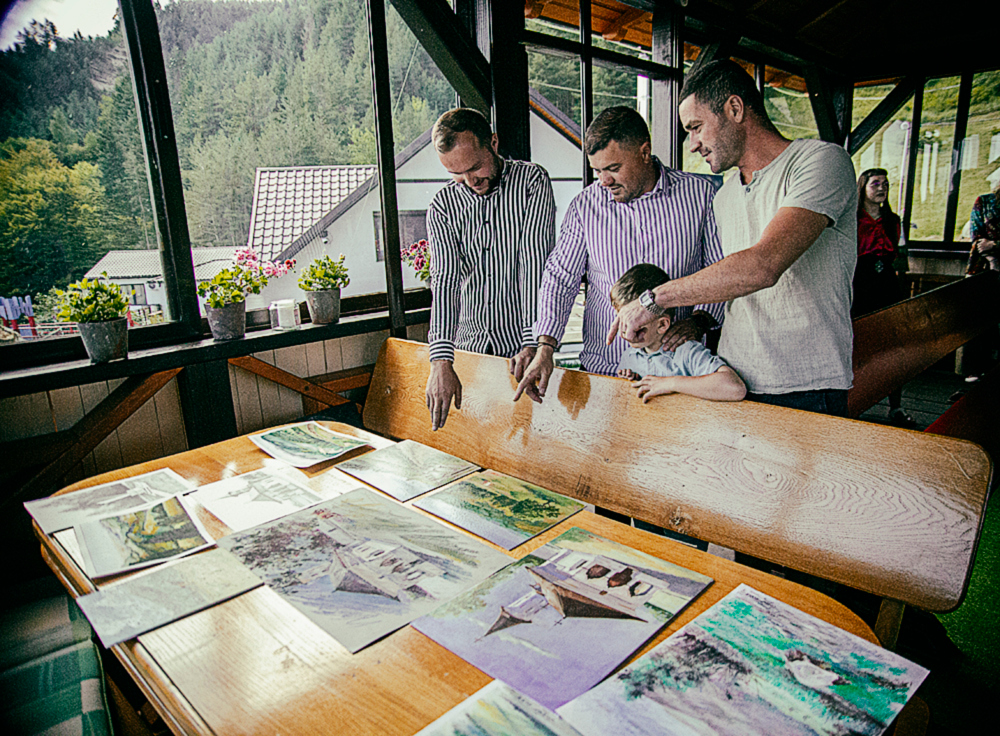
pixel 90 17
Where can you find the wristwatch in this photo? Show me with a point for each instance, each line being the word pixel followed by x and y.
pixel 648 301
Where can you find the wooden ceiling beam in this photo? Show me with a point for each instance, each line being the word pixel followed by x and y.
pixel 617 28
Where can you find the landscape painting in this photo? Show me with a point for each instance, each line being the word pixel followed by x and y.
pixel 497 507
pixel 361 566
pixel 752 665
pixel 305 444
pixel 556 622
pixel 71 509
pixel 255 498
pixel 151 599
pixel 499 710
pixel 140 538
pixel 407 469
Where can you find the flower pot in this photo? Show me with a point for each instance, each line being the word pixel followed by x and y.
pixel 105 340
pixel 324 306
pixel 228 322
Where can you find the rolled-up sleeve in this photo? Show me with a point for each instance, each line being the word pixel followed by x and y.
pixel 536 244
pixel 446 284
pixel 561 280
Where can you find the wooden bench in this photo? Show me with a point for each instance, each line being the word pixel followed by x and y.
pixel 888 511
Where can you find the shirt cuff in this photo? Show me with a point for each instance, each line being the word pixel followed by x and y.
pixel 548 326
pixel 442 350
pixel 528 338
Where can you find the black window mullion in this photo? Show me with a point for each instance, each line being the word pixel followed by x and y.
pixel 586 84
pixel 379 53
pixel 149 83
pixel 957 149
pixel 911 156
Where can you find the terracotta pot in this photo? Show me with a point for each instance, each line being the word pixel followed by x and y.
pixel 324 306
pixel 105 340
pixel 228 322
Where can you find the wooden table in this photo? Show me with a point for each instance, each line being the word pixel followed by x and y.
pixel 256 665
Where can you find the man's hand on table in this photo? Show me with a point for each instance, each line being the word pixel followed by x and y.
pixel 442 386
pixel 520 362
pixel 536 378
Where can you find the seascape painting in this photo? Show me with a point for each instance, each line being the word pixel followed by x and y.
pixel 361 566
pixel 407 469
pixel 500 508
pixel 151 599
pixel 752 665
pixel 305 444
pixel 71 509
pixel 499 710
pixel 557 621
pixel 255 498
pixel 140 538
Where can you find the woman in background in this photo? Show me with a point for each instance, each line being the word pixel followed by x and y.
pixel 985 232
pixel 876 284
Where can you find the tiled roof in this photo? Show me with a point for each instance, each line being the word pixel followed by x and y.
pixel 288 201
pixel 145 264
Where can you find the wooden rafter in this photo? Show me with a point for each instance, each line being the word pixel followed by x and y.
pixel 288 380
pixel 533 8
pixel 617 28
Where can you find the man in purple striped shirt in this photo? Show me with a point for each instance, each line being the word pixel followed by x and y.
pixel 638 211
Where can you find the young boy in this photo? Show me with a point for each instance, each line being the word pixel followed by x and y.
pixel 690 369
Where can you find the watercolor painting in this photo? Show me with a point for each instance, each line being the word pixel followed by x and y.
pixel 407 469
pixel 557 621
pixel 89 504
pixel 499 508
pixel 255 498
pixel 305 444
pixel 499 710
pixel 140 538
pixel 752 665
pixel 361 566
pixel 152 599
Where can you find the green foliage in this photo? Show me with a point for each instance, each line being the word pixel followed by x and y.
pixel 92 300
pixel 325 273
pixel 231 285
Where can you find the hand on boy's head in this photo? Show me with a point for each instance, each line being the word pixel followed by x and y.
pixel 682 332
pixel 630 318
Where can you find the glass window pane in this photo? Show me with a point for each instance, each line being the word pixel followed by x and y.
pixel 866 98
pixel 615 86
pixel 937 135
pixel 887 150
pixel 787 102
pixel 981 148
pixel 557 78
pixel 74 194
pixel 273 110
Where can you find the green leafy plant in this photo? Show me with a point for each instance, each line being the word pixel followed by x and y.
pixel 91 300
pixel 247 275
pixel 324 273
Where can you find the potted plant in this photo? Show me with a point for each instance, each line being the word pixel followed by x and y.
pixel 418 255
pixel 225 294
pixel 99 308
pixel 322 281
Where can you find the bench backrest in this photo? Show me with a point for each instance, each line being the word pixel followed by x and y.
pixel 898 343
pixel 892 512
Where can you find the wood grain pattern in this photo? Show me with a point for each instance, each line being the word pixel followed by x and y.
pixel 884 510
pixel 254 665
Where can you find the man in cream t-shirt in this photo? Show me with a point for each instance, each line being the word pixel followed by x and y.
pixel 788 226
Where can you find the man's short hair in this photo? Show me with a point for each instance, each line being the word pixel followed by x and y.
pixel 445 132
pixel 622 124
pixel 717 81
pixel 635 281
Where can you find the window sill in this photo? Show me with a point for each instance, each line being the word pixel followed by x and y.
pixel 21 381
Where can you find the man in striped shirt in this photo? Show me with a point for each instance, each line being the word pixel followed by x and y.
pixel 490 232
pixel 638 211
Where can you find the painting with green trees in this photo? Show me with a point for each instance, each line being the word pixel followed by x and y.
pixel 499 508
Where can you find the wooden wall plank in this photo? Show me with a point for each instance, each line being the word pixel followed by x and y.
pixel 270 401
pixel 362 349
pixel 170 419
pixel 235 389
pixel 315 359
pixel 250 407
pixel 293 360
pixel 139 436
pixel 67 407
pixel 108 454
pixel 25 416
pixel 334 355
